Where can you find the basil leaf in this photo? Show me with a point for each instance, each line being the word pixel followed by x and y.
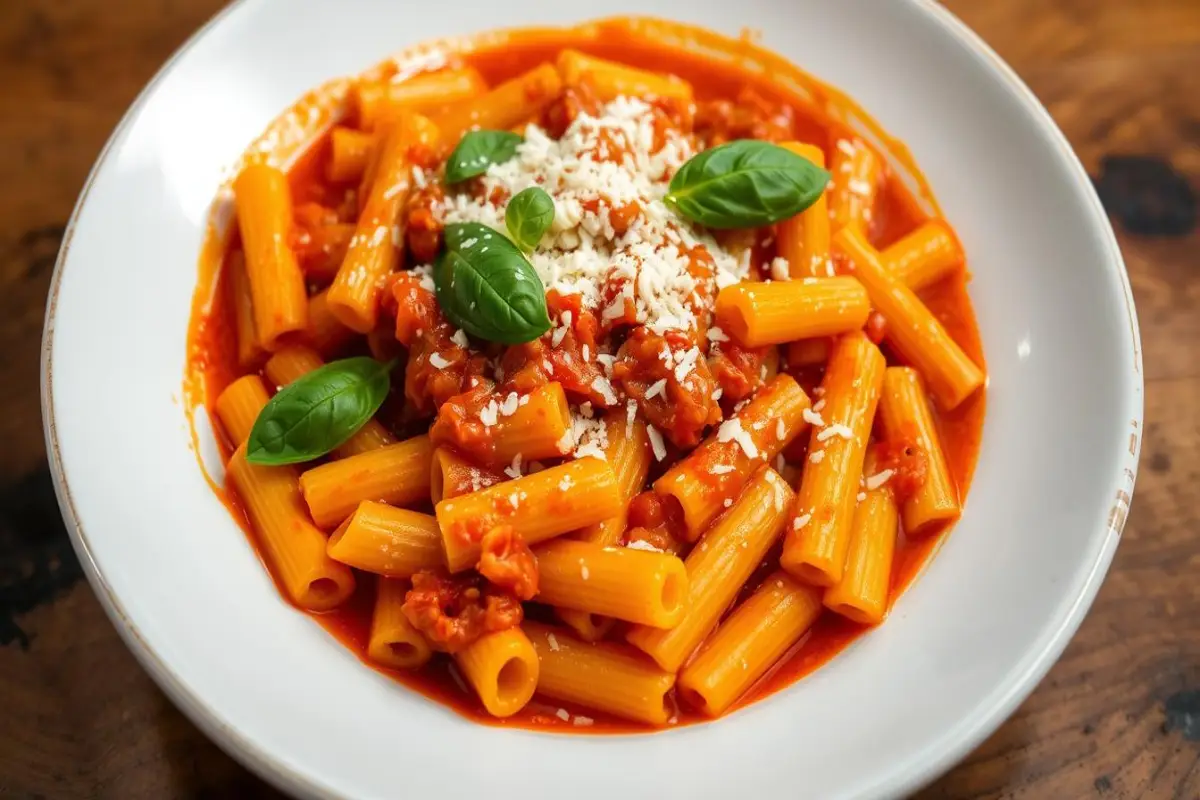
pixel 319 411
pixel 745 184
pixel 477 151
pixel 528 217
pixel 486 287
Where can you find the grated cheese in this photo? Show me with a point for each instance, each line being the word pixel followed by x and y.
pixel 731 431
pixel 800 521
pixel 642 544
pixel 656 443
pixel 437 361
pixel 835 430
pixel 878 479
pixel 552 640
pixel 582 252
pixel 514 469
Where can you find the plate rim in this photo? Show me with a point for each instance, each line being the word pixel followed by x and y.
pixel 275 770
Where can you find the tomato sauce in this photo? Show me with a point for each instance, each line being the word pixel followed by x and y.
pixel 817 118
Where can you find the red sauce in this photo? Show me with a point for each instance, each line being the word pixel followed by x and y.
pixel 749 104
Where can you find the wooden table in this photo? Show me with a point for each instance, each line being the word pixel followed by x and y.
pixel 1118 717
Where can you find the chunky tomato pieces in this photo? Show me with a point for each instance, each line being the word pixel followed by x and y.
pixel 508 562
pixel 453 611
pixel 669 378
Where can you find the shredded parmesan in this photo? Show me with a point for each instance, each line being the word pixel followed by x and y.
pixel 437 361
pixel 731 431
pixel 878 479
pixel 812 418
pixel 656 443
pixel 642 544
pixel 835 430
pixel 651 259
pixel 800 521
pixel 552 640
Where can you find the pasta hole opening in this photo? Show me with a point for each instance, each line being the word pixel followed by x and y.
pixel 812 575
pixel 672 593
pixel 337 535
pixel 690 697
pixel 324 589
pixel 512 679
pixel 403 651
pixel 734 322
pixel 852 613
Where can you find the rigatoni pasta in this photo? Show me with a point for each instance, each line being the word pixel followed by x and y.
pixel 566 415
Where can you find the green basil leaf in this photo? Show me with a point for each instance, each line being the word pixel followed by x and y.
pixel 486 287
pixel 477 151
pixel 745 184
pixel 318 412
pixel 528 217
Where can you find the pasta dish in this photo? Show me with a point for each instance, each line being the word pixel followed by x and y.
pixel 587 382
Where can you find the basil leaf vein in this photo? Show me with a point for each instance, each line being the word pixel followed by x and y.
pixel 745 184
pixel 529 215
pixel 319 411
pixel 485 286
pixel 478 150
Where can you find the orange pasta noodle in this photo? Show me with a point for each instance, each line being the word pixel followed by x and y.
pixel 814 549
pixel 393 641
pixel 862 593
pixel 609 676
pixel 915 333
pixel 393 542
pixel 719 566
pixel 374 101
pixel 907 420
pixel 749 642
pixel 804 239
pixel 628 453
pixel 587 626
pixel 758 314
pixel 397 474
pixel 324 332
pixel 375 249
pixel 633 585
pixel 295 361
pixel 293 546
pixel 857 174
pixel 264 213
pixel 451 475
pixel 536 428
pixel 715 471
pixel 249 352
pixel 510 103
pixel 610 80
pixel 808 352
pixel 925 256
pixel 350 152
pixel 239 405
pixel 539 506
pixel 502 668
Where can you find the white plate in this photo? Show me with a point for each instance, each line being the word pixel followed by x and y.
pixel 964 646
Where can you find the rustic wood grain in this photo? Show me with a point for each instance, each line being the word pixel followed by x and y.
pixel 1118 716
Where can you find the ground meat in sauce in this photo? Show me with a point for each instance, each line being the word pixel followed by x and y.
pixel 423 228
pixel 508 563
pixel 458 423
pixel 738 370
pixel 750 116
pixel 438 367
pixel 681 409
pixel 573 101
pixel 453 611
pixel 660 518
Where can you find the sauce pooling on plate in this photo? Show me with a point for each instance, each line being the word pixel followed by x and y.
pixel 589 381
